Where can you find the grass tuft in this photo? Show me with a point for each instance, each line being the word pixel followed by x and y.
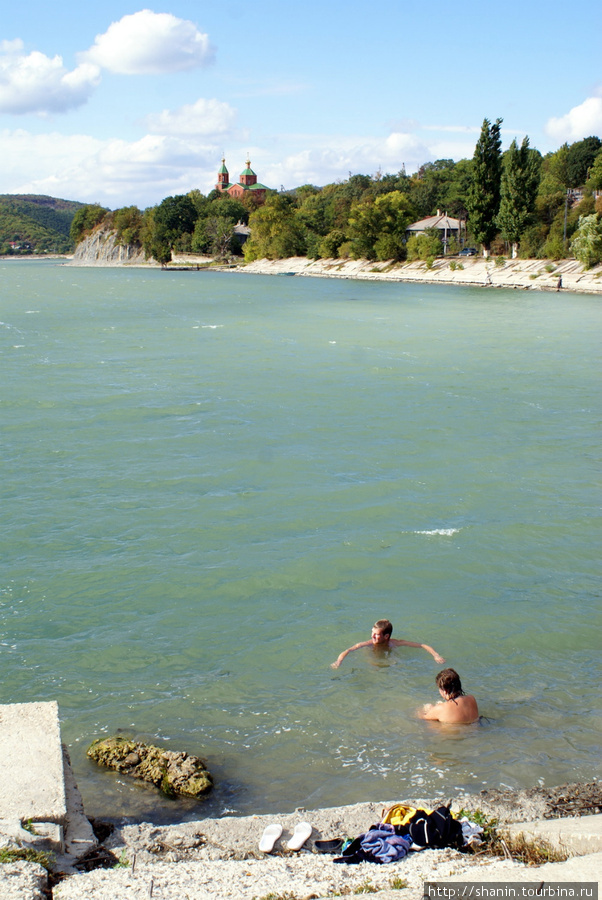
pixel 530 853
pixel 8 855
pixel 286 896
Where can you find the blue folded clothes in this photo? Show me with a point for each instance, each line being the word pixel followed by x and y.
pixel 384 845
pixel 379 845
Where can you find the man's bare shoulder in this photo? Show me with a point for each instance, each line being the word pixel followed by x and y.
pixel 461 711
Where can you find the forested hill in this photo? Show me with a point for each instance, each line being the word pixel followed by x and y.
pixel 35 222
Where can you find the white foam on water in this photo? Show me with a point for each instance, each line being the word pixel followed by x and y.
pixel 446 532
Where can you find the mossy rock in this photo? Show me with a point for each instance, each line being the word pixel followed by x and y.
pixel 173 772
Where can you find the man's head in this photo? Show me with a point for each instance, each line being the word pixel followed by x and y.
pixel 381 631
pixel 448 682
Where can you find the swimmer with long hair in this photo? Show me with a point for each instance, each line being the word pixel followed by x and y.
pixel 456 708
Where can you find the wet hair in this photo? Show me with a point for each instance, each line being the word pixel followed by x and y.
pixel 449 682
pixel 385 626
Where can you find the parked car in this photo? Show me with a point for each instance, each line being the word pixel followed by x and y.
pixel 468 251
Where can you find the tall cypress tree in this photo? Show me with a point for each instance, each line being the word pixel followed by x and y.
pixel 483 199
pixel 520 180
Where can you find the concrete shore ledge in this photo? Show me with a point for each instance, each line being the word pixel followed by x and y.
pixel 219 859
pixel 517 274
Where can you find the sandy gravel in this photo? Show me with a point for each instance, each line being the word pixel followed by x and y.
pixel 219 859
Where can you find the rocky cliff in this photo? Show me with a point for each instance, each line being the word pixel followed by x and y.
pixel 101 248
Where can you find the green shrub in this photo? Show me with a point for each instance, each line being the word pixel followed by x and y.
pixel 587 243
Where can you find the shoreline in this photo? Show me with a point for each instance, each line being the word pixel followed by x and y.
pixel 219 858
pixel 516 274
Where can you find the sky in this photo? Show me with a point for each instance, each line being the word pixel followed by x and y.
pixel 122 104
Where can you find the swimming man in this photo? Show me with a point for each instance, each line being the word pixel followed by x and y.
pixel 381 640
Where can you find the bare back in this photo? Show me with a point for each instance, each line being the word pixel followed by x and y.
pixel 461 711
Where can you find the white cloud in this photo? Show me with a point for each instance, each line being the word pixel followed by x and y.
pixel 203 117
pixel 458 129
pixel 147 43
pixel 112 172
pixel 343 155
pixel 35 83
pixel 580 122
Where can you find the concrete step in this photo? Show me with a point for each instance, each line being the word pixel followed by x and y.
pixel 32 776
pixel 576 836
pixel 37 786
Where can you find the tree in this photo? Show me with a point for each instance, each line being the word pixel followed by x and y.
pixel 426 245
pixel 430 186
pixel 328 248
pixel 594 181
pixel 222 208
pixel 581 156
pixel 587 243
pixel 377 228
pixel 483 199
pixel 219 231
pixel 174 217
pixel 85 220
pixel 171 224
pixel 127 222
pixel 275 231
pixel 520 180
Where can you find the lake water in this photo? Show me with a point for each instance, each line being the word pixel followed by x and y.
pixel 213 483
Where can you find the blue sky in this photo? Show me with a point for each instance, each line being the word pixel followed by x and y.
pixel 121 104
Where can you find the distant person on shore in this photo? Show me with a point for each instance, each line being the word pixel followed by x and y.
pixel 381 640
pixel 456 708
pixel 559 283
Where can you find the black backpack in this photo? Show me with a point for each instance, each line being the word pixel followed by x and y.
pixel 436 829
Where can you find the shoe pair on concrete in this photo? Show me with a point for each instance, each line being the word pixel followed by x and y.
pixel 273 832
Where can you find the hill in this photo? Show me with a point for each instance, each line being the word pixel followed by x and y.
pixel 35 223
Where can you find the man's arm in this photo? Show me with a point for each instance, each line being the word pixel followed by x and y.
pixel 430 712
pixel 341 656
pixel 434 654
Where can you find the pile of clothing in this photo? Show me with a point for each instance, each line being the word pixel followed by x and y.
pixel 404 829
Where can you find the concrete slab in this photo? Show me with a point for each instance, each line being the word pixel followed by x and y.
pixel 32 780
pixel 578 836
pixel 79 835
pixel 23 881
pixel 579 868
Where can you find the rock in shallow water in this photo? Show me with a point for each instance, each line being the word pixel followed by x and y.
pixel 173 772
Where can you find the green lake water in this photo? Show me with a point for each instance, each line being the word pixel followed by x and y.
pixel 212 483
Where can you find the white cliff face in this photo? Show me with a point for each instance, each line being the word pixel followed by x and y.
pixel 102 249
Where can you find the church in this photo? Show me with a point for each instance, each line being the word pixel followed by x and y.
pixel 248 183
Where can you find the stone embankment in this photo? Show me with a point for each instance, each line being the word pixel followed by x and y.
pixel 102 249
pixel 219 859
pixel 519 274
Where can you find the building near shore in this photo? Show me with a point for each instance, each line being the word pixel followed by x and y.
pixel 448 227
pixel 247 184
